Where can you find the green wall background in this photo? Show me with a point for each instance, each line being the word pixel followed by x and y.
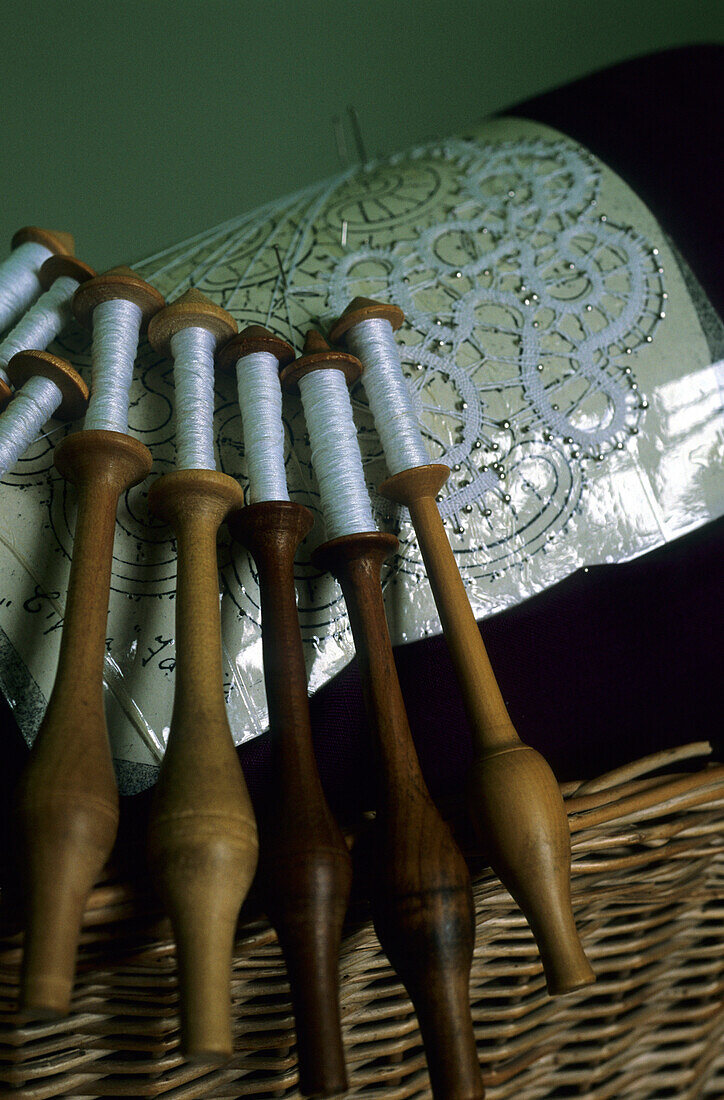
pixel 136 123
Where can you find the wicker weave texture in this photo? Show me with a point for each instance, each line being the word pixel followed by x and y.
pixel 648 884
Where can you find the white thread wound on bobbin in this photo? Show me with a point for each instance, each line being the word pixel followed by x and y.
pixel 20 424
pixel 260 401
pixel 19 282
pixel 193 372
pixel 373 342
pixel 42 323
pixel 335 453
pixel 116 327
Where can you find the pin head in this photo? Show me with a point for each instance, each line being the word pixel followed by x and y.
pixel 318 355
pixel 252 339
pixel 364 309
pixel 192 310
pixel 29 364
pixel 53 239
pixel 55 267
pixel 117 282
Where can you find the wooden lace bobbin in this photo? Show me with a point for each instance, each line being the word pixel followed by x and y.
pixel 513 795
pixel 305 870
pixel 422 905
pixel 59 278
pixel 67 798
pixel 19 284
pixel 202 832
pixel 68 399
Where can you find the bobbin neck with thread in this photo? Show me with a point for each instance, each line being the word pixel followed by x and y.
pixel 367 328
pixel 189 331
pixel 258 355
pixel 45 386
pixel 19 283
pixel 59 277
pixel 117 305
pixel 322 376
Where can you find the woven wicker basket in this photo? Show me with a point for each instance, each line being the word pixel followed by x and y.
pixel 648 886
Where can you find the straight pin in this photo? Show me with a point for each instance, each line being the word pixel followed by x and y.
pixel 340 141
pixel 357 131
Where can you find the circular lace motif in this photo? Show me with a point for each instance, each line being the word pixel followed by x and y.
pixel 525 303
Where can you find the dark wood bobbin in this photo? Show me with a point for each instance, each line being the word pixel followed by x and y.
pixel 55 240
pixel 202 839
pixel 305 870
pixel 514 799
pixel 191 310
pixel 422 901
pixel 67 801
pixel 117 282
pixel 55 267
pixel 30 364
pixel 318 355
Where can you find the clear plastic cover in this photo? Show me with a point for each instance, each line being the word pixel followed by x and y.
pixel 558 362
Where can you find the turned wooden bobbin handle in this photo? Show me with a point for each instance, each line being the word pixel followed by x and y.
pixel 524 827
pixel 422 903
pixel 305 871
pixel 304 867
pixel 513 795
pixel 67 796
pixel 202 833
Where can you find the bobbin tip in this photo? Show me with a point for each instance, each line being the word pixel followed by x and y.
pixel 365 309
pixel 55 267
pixel 191 310
pixel 318 355
pixel 252 339
pixel 74 392
pixel 117 282
pixel 54 239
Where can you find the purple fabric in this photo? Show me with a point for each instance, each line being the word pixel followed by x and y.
pixel 607 666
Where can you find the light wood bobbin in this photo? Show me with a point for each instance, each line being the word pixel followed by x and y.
pixel 514 799
pixel 67 796
pixel 67 800
pixel 202 839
